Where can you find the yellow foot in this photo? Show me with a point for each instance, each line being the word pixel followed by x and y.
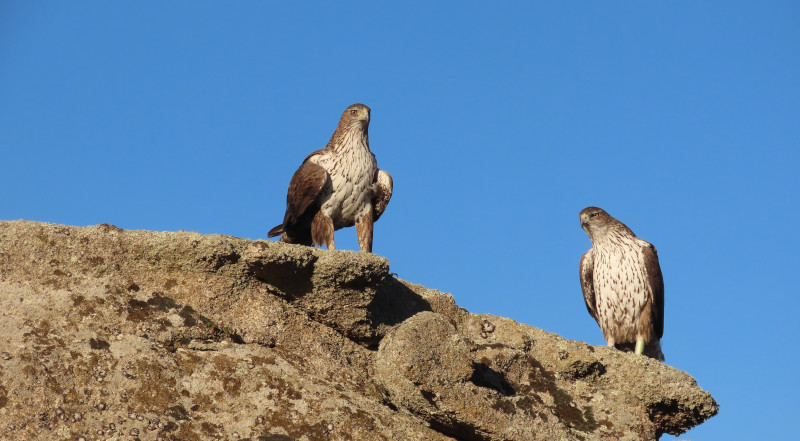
pixel 639 346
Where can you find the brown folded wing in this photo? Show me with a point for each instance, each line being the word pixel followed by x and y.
pixel 302 203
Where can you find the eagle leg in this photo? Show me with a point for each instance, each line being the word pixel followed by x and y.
pixel 639 346
pixel 322 231
pixel 364 232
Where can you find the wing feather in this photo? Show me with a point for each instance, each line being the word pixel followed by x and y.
pixel 315 153
pixel 587 282
pixel 304 190
pixel 382 193
pixel 656 283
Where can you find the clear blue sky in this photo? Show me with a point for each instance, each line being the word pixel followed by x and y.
pixel 499 123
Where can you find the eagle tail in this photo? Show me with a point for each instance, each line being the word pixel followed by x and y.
pixel 277 231
pixel 654 351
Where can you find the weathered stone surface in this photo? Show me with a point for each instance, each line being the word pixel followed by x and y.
pixel 427 368
pixel 113 334
pixel 335 289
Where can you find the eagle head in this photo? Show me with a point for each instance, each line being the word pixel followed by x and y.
pixel 355 115
pixel 594 220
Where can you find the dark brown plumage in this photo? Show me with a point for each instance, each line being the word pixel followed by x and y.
pixel 622 284
pixel 336 187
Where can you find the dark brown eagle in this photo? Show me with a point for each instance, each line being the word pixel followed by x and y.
pixel 336 187
pixel 622 284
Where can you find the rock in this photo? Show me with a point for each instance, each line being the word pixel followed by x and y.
pixel 108 333
pixel 335 289
pixel 426 366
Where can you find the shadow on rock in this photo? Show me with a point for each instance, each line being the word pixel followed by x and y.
pixel 288 276
pixel 484 376
pixel 393 303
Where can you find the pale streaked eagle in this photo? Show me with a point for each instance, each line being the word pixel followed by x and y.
pixel 336 187
pixel 622 284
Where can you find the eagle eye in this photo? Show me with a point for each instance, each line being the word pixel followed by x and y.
pixel 353 111
pixel 593 215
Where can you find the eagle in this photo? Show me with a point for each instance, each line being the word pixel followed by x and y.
pixel 337 186
pixel 622 284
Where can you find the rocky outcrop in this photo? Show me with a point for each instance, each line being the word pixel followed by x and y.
pixel 113 334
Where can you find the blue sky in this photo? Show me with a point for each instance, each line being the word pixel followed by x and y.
pixel 499 122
